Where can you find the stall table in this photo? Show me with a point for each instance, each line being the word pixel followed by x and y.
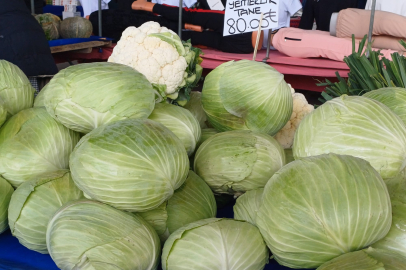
pixel 300 73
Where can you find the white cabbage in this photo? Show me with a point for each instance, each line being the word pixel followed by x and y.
pixel 35 202
pixel 195 106
pixel 6 190
pixel 215 244
pixel 355 126
pixel 83 97
pixel 317 208
pixel 247 95
pixel 247 205
pixel 181 122
pixel 233 162
pixel 88 235
pixel 193 201
pixel 133 165
pixel 33 143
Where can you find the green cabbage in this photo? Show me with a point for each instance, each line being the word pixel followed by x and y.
pixel 6 190
pixel 215 244
pixel 367 259
pixel 247 95
pixel 15 88
pixel 236 161
pixel 87 235
pixel 33 143
pixel 247 205
pixel 317 208
pixel 3 113
pixel 181 122
pixel 35 202
pixel 394 98
pixel 193 201
pixel 195 107
pixel 133 165
pixel 206 133
pixel 356 126
pixel 289 155
pixel 395 240
pixel 83 97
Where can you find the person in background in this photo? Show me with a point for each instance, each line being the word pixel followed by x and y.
pixel 90 6
pixel 393 6
pixel 38 5
pixel 321 11
pixel 22 40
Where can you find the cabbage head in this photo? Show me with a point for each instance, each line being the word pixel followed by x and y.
pixel 395 240
pixel 206 133
pixel 195 106
pixel 247 205
pixel 181 122
pixel 3 113
pixel 215 244
pixel 15 88
pixel 317 208
pixel 366 259
pixel 83 97
pixel 133 165
pixel 85 235
pixel 236 161
pixel 193 201
pixel 6 190
pixel 393 97
pixel 33 143
pixel 35 202
pixel 355 126
pixel 247 95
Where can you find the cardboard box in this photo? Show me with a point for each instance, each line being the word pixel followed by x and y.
pixel 65 2
pixel 70 8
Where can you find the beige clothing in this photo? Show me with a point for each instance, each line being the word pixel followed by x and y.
pixel 388 28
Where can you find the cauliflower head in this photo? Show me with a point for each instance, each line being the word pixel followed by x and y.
pixel 301 108
pixel 159 57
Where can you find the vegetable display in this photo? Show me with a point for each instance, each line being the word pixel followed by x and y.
pixel 193 201
pixel 169 63
pixel 237 161
pixel 76 27
pixel 35 202
pixel 162 166
pixel 33 143
pixel 90 235
pixel 357 126
pixel 181 122
pixel 50 23
pixel 133 164
pixel 83 97
pixel 318 208
pixel 16 91
pixel 247 95
pixel 215 244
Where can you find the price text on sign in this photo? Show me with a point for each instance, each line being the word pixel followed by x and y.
pixel 243 16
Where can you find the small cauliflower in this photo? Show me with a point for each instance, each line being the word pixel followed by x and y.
pixel 301 108
pixel 159 54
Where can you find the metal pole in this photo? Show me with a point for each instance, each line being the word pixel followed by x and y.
pixel 371 24
pixel 180 19
pixel 100 19
pixel 32 7
pixel 268 46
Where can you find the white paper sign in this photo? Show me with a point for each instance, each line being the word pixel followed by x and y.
pixel 215 4
pixel 243 16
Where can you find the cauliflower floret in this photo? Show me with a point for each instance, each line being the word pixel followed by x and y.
pixel 301 108
pixel 158 60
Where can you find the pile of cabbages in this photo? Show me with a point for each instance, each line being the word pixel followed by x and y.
pixel 100 175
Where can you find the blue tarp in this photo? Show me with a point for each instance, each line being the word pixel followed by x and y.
pixel 67 41
pixel 14 256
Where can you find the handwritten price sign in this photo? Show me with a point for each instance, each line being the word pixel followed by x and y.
pixel 243 16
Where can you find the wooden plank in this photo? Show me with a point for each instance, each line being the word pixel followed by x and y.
pixel 80 46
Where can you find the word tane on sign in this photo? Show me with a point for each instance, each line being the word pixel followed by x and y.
pixel 243 16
